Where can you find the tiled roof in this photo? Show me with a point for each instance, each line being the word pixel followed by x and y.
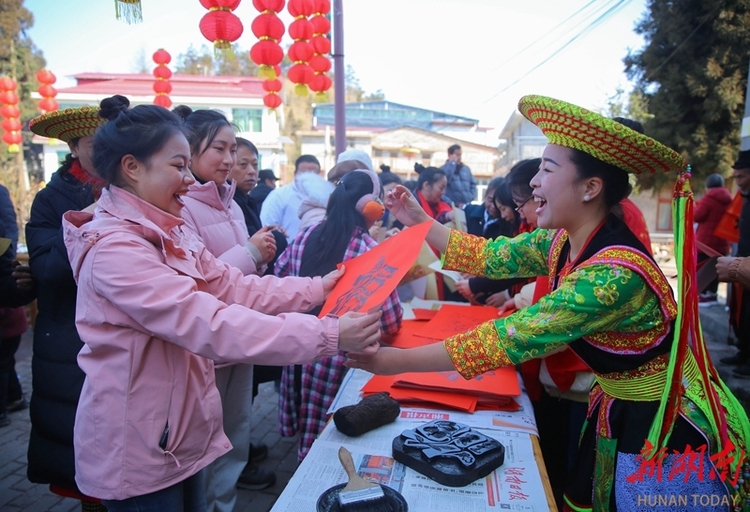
pixel 182 85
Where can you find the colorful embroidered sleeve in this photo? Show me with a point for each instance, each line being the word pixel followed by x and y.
pixel 501 258
pixel 608 304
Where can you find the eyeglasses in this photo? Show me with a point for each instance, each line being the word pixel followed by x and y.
pixel 518 208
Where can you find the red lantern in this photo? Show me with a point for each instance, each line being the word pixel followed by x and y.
pixel 301 51
pixel 161 86
pixel 268 25
pixel 12 138
pixel 162 56
pixel 162 100
pixel 48 105
pixel 272 100
pixel 266 53
pixel 321 46
pixel 162 72
pixel 9 111
pixel 11 125
pixel 7 84
pixel 303 8
pixel 272 85
pixel 8 98
pixel 269 5
pixel 220 25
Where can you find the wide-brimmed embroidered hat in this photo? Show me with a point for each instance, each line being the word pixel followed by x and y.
pixel 68 124
pixel 605 139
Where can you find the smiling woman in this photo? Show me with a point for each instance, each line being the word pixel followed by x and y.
pixel 611 304
pixel 155 308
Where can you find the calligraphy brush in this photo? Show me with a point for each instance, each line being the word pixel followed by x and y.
pixel 359 495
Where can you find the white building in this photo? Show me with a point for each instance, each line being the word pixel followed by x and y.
pixel 239 98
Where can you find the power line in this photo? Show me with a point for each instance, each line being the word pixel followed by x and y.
pixel 588 28
pixel 559 25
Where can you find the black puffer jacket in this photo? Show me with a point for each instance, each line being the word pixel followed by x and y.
pixel 56 377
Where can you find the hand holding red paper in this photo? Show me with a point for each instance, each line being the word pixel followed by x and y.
pixel 370 278
pixel 359 333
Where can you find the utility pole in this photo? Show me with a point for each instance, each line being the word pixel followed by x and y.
pixel 339 78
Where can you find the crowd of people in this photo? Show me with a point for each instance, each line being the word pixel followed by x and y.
pixel 172 276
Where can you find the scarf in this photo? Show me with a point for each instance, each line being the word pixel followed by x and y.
pixel 96 183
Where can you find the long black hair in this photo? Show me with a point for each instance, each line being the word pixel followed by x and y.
pixel 326 245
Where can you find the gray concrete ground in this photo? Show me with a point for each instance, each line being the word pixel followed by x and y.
pixel 17 494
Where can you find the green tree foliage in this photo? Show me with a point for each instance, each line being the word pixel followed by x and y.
pixel 20 60
pixel 692 75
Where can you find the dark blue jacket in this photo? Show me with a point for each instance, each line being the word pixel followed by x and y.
pixel 56 377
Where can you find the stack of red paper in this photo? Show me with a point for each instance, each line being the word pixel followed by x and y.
pixel 492 390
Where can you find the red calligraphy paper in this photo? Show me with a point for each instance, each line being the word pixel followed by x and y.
pixel 370 278
pixel 451 320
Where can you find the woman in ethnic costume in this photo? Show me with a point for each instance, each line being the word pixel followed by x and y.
pixel 662 431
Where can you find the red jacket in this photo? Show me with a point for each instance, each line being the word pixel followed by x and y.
pixel 708 212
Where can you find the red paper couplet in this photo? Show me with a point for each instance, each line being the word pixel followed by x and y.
pixel 370 278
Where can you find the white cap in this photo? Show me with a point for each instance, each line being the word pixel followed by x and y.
pixel 355 154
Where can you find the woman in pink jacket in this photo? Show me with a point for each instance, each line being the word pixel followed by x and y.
pixel 155 308
pixel 212 214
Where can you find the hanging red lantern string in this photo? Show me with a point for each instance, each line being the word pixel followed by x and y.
pixel 272 88
pixel 300 52
pixel 220 25
pixel 46 78
pixel 11 124
pixel 162 73
pixel 321 46
pixel 269 29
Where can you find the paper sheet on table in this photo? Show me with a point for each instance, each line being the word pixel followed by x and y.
pixel 514 486
pixel 370 278
pixel 452 320
pixel 437 266
pixel 522 420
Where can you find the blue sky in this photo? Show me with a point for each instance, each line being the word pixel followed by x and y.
pixel 456 56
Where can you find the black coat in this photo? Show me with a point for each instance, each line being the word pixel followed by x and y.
pixel 475 224
pixel 259 194
pixel 56 377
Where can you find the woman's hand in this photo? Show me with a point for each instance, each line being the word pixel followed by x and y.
pixel 23 276
pixel 391 232
pixel 359 333
pixel 384 362
pixel 508 305
pixel 464 289
pixel 264 241
pixel 497 299
pixel 404 206
pixel 330 280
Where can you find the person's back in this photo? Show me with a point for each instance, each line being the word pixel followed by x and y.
pixel 709 211
pixel 307 391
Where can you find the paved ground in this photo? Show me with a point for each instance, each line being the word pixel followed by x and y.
pixel 17 494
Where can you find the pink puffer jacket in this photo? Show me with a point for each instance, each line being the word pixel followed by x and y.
pixel 154 308
pixel 219 223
